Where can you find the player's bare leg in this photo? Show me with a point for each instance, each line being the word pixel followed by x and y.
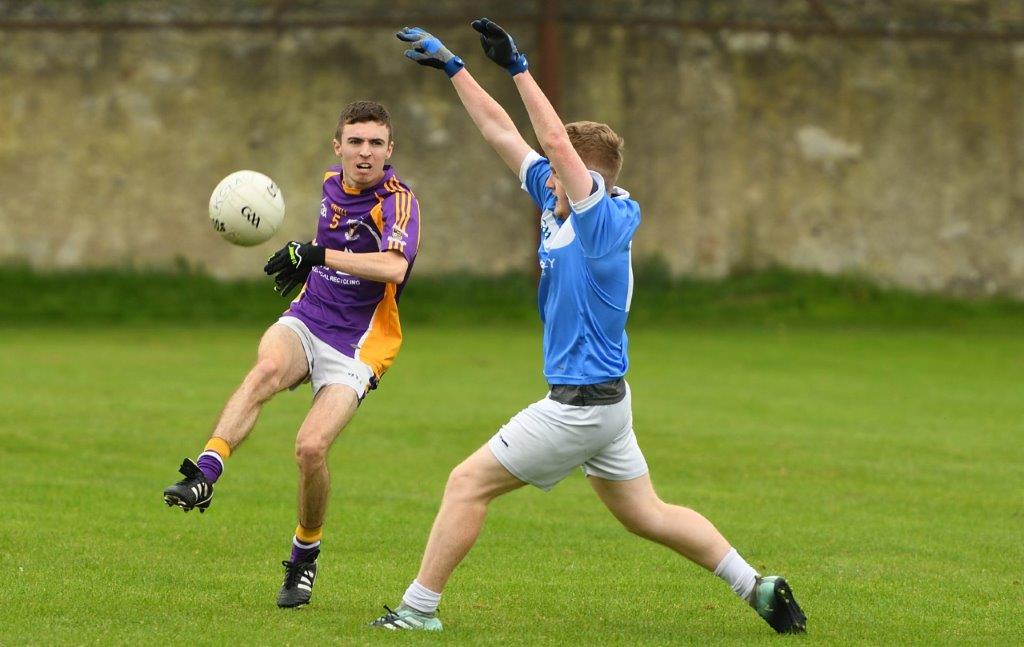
pixel 280 363
pixel 471 486
pixel 636 505
pixel 333 408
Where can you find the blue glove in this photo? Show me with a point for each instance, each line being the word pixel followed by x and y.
pixel 430 51
pixel 500 47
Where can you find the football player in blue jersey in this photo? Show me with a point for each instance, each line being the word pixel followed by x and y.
pixel 586 284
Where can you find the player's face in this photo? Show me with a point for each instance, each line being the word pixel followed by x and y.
pixel 363 149
pixel 561 200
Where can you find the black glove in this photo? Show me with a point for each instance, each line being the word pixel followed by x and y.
pixel 288 280
pixel 499 46
pixel 292 264
pixel 296 256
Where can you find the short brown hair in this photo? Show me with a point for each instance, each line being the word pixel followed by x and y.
pixel 358 112
pixel 599 148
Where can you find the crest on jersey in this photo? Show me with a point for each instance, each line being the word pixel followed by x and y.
pixel 548 225
pixel 353 227
pixel 553 235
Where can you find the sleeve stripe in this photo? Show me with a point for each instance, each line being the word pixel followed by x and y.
pixel 400 208
pixel 403 206
pixel 406 210
pixel 408 216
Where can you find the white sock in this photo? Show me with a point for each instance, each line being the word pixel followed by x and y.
pixel 738 573
pixel 304 546
pixel 421 598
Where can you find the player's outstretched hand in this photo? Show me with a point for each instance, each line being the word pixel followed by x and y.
pixel 296 256
pixel 428 50
pixel 499 46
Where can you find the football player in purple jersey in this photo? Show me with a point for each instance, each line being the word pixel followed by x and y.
pixel 341 333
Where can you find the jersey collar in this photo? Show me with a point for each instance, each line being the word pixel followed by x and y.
pixel 389 172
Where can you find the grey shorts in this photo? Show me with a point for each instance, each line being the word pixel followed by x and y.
pixel 546 441
pixel 328 365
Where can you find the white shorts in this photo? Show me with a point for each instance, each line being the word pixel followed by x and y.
pixel 546 441
pixel 328 365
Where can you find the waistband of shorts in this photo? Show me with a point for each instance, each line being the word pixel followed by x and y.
pixel 589 395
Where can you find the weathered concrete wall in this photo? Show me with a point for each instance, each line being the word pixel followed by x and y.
pixel 897 160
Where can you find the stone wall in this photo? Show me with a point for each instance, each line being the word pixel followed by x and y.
pixel 898 160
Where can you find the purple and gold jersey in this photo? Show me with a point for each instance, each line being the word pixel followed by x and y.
pixel 357 316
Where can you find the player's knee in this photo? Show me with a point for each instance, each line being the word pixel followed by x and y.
pixel 310 453
pixel 463 483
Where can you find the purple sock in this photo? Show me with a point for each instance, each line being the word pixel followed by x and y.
pixel 304 552
pixel 211 465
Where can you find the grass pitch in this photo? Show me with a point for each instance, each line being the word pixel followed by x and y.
pixel 879 470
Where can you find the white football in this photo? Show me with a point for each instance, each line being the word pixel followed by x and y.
pixel 246 208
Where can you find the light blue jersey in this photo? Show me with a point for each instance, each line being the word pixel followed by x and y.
pixel 586 280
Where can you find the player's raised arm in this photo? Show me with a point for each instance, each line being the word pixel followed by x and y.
pixel 565 161
pixel 490 118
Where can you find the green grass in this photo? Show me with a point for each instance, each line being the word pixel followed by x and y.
pixel 879 469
